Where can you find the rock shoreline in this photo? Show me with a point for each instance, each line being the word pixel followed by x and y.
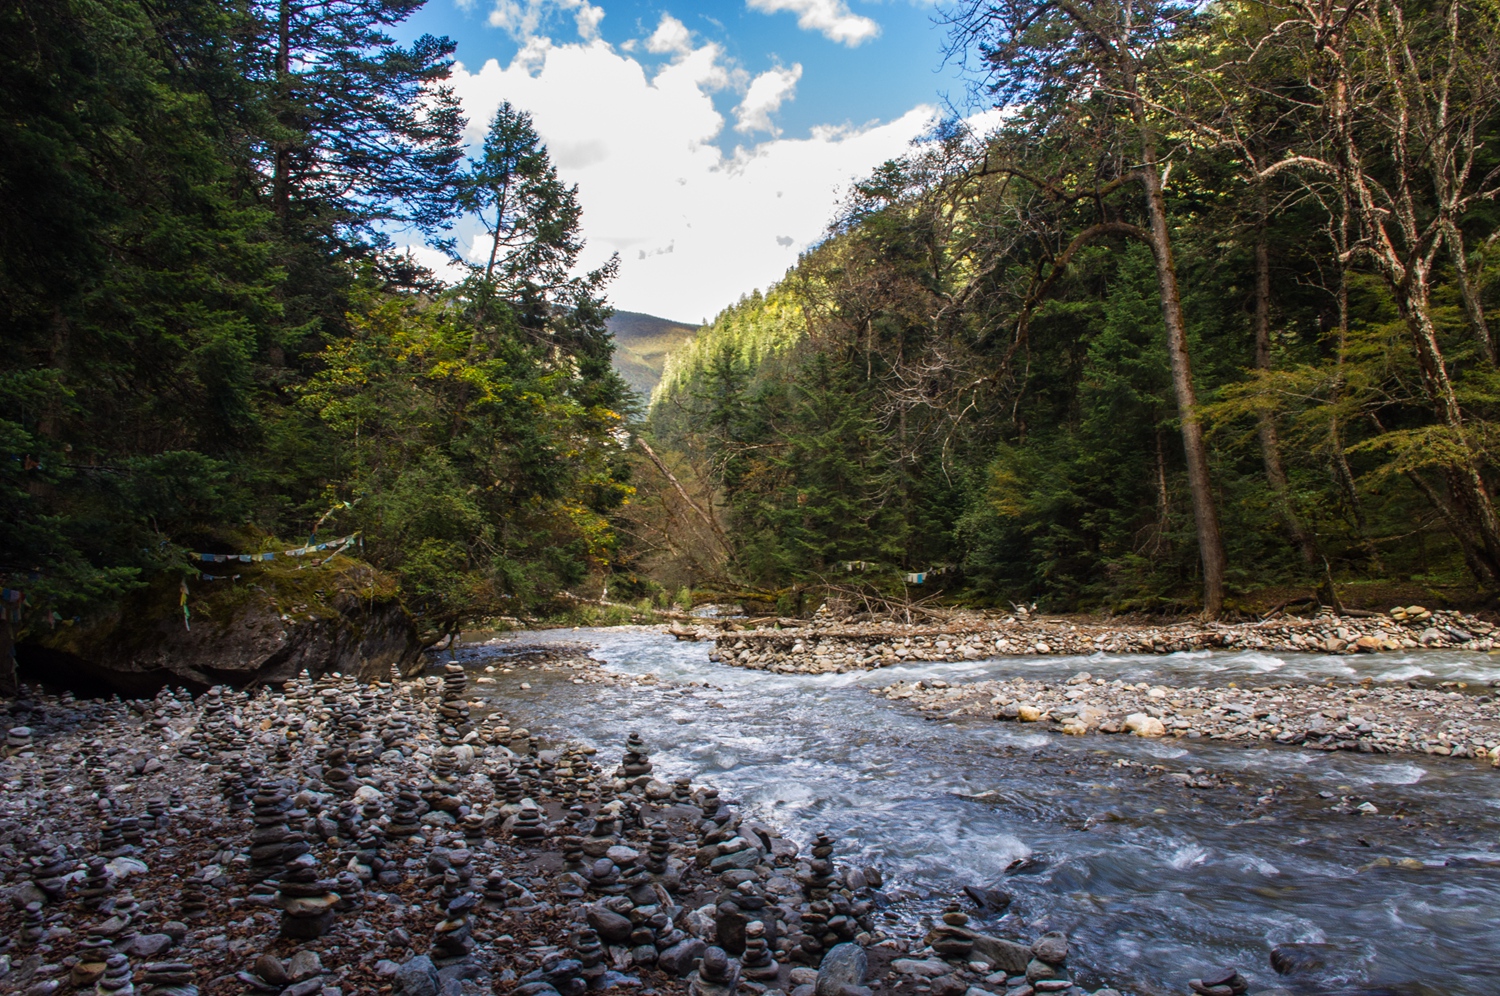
pixel 824 647
pixel 336 837
pixel 1363 717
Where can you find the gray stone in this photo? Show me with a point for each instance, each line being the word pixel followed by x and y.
pixel 679 958
pixel 614 928
pixel 1051 947
pixel 534 989
pixel 804 976
pixel 148 945
pixel 747 858
pixel 304 965
pixel 418 977
pixel 930 967
pixel 844 965
pixel 304 988
pixel 1008 956
pixel 1038 969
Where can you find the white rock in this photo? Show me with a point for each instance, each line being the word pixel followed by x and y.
pixel 124 867
pixel 1143 725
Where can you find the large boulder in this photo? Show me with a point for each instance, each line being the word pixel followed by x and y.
pixel 843 966
pixel 267 626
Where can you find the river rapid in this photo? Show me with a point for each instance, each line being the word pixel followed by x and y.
pixel 1154 883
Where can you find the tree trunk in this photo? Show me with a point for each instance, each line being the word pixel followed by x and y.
pixel 281 185
pixel 1466 488
pixel 1473 306
pixel 1270 445
pixel 10 684
pixel 1205 513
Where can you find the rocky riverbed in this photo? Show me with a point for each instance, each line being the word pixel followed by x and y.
pixel 1450 719
pixel 824 646
pixel 333 837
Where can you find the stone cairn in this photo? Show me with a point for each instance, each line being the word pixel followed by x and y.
pixel 949 938
pixel 455 710
pixel 307 901
pixel 343 800
pixel 1048 969
pixel 717 975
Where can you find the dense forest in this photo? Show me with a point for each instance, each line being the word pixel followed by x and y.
pixel 1206 317
pixel 212 345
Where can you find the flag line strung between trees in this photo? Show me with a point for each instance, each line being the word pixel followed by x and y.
pixel 919 577
pixel 301 551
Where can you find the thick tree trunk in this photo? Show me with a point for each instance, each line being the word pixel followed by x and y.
pixel 1205 513
pixel 1270 445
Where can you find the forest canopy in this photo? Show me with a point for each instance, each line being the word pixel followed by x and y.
pixel 1208 314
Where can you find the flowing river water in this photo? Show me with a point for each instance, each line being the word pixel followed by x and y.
pixel 1153 882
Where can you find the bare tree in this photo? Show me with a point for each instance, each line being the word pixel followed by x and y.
pixel 1391 110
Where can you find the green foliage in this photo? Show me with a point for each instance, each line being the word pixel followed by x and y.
pixel 209 343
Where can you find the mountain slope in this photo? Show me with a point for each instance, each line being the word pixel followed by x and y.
pixel 641 346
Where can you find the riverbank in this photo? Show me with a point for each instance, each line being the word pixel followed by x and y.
pixel 829 646
pixel 1362 717
pixel 401 837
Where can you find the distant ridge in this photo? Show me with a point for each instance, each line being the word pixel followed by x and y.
pixel 641 346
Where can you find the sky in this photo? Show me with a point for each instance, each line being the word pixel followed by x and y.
pixel 711 142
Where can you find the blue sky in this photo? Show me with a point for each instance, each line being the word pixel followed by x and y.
pixel 877 79
pixel 711 142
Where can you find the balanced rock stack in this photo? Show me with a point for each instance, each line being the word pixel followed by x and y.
pixel 590 954
pixel 820 872
pixel 404 820
pixel 717 975
pixel 18 741
pixel 528 823
pixel 337 774
pixel 307 902
pixel 117 977
pixel 949 938
pixel 452 941
pixel 758 963
pixel 455 710
pixel 268 839
pixel 1048 969
pixel 635 769
pixel 443 789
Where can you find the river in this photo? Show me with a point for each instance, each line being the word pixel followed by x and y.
pixel 1153 882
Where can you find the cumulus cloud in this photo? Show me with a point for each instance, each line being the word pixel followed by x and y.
pixel 766 94
pixel 671 35
pixel 694 227
pixel 522 19
pixel 832 18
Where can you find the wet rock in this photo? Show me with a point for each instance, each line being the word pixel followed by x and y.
pixel 843 966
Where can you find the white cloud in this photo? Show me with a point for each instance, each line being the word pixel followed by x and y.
pixel 767 93
pixel 671 35
pixel 522 19
pixel 832 18
pixel 695 228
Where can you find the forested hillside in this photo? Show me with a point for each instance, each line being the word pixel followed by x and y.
pixel 1208 315
pixel 211 345
pixel 642 344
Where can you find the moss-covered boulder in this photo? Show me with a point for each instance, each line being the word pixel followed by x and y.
pixel 253 624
